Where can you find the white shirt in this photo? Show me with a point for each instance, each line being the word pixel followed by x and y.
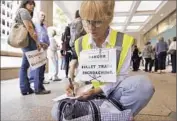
pixel 172 45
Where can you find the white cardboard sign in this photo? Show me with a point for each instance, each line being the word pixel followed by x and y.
pixel 36 58
pixel 97 64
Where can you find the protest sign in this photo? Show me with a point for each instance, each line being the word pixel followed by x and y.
pixel 36 58
pixel 97 64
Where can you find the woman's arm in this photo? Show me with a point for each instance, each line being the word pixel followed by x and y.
pixel 27 21
pixel 29 26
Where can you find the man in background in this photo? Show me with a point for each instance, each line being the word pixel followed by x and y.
pixel 44 41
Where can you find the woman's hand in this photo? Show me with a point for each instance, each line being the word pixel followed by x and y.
pixel 44 46
pixel 38 46
pixel 86 95
pixel 90 93
pixel 70 90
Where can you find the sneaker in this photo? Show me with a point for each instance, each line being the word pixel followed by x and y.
pixel 28 93
pixel 43 92
pixel 46 82
pixel 57 79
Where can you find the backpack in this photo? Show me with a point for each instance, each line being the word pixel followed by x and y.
pixel 100 109
pixel 76 30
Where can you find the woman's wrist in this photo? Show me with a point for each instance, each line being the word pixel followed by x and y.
pixel 96 91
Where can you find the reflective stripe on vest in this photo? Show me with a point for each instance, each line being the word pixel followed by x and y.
pixel 117 39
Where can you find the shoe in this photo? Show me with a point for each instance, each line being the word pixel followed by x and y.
pixel 31 91
pixel 24 93
pixel 56 80
pixel 43 92
pixel 27 93
pixel 46 82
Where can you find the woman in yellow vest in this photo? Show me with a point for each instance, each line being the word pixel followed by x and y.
pixel 133 92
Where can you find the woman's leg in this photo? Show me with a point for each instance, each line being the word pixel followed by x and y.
pixel 173 60
pixel 151 65
pixel 160 62
pixel 134 93
pixel 164 55
pixel 146 64
pixel 67 59
pixel 23 76
pixel 24 80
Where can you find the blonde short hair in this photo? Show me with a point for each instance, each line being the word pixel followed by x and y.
pixel 97 10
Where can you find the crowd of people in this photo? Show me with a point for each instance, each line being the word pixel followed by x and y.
pixel 156 56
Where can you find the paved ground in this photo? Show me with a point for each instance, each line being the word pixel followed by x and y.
pixel 15 107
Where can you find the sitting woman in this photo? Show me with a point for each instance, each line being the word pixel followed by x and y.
pixel 133 92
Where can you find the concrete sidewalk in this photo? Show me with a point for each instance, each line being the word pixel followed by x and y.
pixel 15 107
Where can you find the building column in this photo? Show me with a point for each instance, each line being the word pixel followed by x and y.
pixel 47 8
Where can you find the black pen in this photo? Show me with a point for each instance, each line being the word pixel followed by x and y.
pixel 72 86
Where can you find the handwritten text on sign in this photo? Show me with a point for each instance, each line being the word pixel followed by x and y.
pixel 97 64
pixel 36 58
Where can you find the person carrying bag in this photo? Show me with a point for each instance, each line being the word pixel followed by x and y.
pixel 18 35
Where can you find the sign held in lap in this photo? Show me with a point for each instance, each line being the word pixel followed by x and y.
pixel 97 64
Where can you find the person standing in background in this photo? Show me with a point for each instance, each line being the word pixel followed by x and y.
pixel 24 16
pixel 76 31
pixel 135 58
pixel 147 55
pixel 172 52
pixel 161 51
pixel 53 55
pixel 66 49
pixel 152 60
pixel 44 41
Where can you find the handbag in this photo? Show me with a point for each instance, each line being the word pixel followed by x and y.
pixel 92 110
pixel 18 35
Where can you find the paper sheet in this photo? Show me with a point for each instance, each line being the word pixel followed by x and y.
pixel 80 90
pixel 64 96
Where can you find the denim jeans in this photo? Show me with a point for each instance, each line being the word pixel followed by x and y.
pixel 133 93
pixel 41 77
pixel 24 80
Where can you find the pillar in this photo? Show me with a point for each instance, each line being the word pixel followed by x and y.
pixel 47 8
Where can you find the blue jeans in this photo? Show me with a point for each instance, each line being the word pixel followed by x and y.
pixel 24 80
pixel 41 77
pixel 133 93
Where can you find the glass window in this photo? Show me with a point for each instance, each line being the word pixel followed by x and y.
pixel 8 5
pixel 8 24
pixel 153 32
pixel 3 31
pixel 172 20
pixel 3 2
pixel 3 22
pixel 163 25
pixel 8 14
pixel 3 12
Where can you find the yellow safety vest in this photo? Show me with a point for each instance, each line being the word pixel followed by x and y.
pixel 117 40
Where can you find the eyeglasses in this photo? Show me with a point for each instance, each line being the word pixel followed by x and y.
pixel 96 24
